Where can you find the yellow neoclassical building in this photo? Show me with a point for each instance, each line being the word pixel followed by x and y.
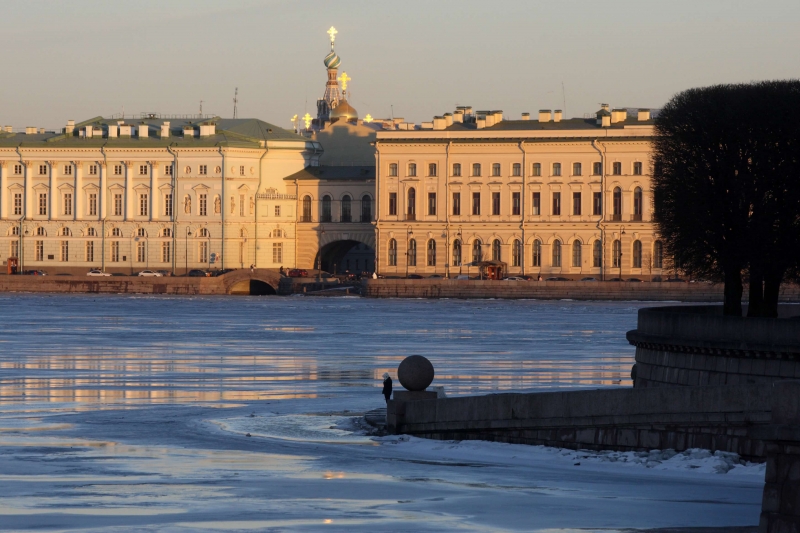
pixel 158 192
pixel 550 196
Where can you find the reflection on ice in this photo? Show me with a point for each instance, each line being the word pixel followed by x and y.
pixel 304 428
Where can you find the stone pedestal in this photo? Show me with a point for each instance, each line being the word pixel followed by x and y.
pixel 396 407
pixel 413 396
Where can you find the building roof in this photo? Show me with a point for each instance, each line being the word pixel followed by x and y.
pixel 566 124
pixel 343 173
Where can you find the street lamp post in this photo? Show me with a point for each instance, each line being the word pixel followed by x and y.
pixel 208 250
pixel 186 247
pixel 620 252
pixel 460 250
pixel 409 234
pixel 319 253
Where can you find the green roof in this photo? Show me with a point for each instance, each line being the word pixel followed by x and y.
pixel 333 172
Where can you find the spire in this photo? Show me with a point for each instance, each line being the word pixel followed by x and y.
pixel 332 96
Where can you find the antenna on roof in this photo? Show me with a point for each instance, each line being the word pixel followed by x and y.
pixel 123 112
pixel 235 103
pixel 392 107
pixel 201 109
pixel 564 97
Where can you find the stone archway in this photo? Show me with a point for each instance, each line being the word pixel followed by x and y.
pixel 346 255
pixel 259 282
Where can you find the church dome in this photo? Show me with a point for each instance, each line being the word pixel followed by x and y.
pixel 344 111
pixel 332 60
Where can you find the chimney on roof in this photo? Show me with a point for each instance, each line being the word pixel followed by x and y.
pixel 481 122
pixel 70 127
pixel 448 119
pixel 41 130
pixel 113 131
pixel 618 115
pixel 526 116
pixel 498 116
pixel 165 130
pixel 644 114
pixel 188 130
pixel 490 119
pixel 30 130
pixel 144 131
pixel 9 129
pixel 458 116
pixel 125 130
pixel 604 116
pixel 544 115
pixel 557 115
pixel 87 132
pixel 439 123
pixel 207 129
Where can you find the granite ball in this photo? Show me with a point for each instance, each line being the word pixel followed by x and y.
pixel 415 373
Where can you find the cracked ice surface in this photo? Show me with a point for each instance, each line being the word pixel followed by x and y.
pixel 122 413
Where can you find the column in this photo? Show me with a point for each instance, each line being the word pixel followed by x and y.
pixel 26 168
pixel 128 190
pixel 52 209
pixel 3 190
pixel 154 192
pixel 101 209
pixel 78 200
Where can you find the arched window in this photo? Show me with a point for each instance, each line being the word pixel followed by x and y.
pixel 516 253
pixel 412 169
pixel 141 232
pixel 306 209
pixel 537 253
pixel 637 254
pixel 243 233
pixel 457 253
pixel 431 253
pixel 576 253
pixel 412 204
pixel 616 254
pixel 65 232
pixel 202 232
pixel 393 169
pixel 496 250
pixel 477 252
pixel 617 203
pixel 411 256
pixel 495 169
pixel 392 252
pixel 366 208
pixel 556 253
pixel 597 254
pixel 347 212
pixel 40 232
pixel 476 169
pixel 116 232
pixel 326 209
pixel 637 203
pixel 166 232
pixel 658 255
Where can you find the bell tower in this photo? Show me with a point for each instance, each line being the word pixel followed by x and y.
pixel 332 96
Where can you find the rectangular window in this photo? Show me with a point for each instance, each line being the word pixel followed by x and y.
pixel 202 249
pixel 457 170
pixel 241 170
pixel 392 203
pixel 168 170
pixel 89 251
pixel 432 204
pixel 203 205
pixel 277 210
pixel 14 249
pixel 115 251
pixel 476 203
pixel 457 203
pixel 392 170
pixel 556 169
pixel 118 205
pixel 432 169
pixel 68 170
pixel 40 250
pixel 516 201
pixel 536 170
pixel 277 252
pixel 43 203
pixel 203 169
pixel 93 170
pixel 476 169
pixel 17 203
pixel 143 170
pixel 42 170
pixel 412 170
pixel 143 204
pixel 495 203
pixel 241 205
pixel 118 170
pixel 537 203
pixel 17 169
pixel 141 251
pixel 168 204
pixel 597 203
pixel 617 168
pixel 576 169
pixel 92 204
pixel 516 169
pixel 556 203
pixel 65 250
pixel 68 203
pixel 496 169
pixel 576 203
pixel 166 252
pixel 637 168
pixel 597 168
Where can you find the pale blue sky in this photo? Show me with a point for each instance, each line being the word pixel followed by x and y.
pixel 81 58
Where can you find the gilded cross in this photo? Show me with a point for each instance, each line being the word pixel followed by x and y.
pixel 307 120
pixel 368 118
pixel 332 32
pixel 344 78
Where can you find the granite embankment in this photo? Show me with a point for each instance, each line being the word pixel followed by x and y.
pixel 554 290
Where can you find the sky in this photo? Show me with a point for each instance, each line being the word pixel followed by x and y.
pixel 410 58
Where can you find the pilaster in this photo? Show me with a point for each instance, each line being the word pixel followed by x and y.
pixel 102 209
pixel 129 211
pixel 78 200
pixel 26 168
pixel 154 192
pixel 52 204
pixel 4 200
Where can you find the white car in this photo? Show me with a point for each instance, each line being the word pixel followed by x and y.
pixel 150 273
pixel 515 278
pixel 97 273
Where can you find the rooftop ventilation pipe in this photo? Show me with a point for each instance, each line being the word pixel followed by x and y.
pixel 544 115
pixel 557 115
pixel 526 116
pixel 644 114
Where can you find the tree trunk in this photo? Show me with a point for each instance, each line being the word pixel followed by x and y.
pixel 755 305
pixel 733 293
pixel 772 287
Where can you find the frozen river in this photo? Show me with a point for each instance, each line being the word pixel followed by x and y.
pixel 124 412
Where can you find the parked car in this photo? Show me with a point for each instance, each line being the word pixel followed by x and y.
pixel 297 273
pixel 514 278
pixel 434 276
pixel 197 274
pixel 97 272
pixel 118 274
pixel 616 279
pixel 165 273
pixel 634 280
pixel 36 272
pixel 588 279
pixel 150 274
pixel 222 272
pixel 462 277
pixel 676 280
pixel 556 278
pixel 414 276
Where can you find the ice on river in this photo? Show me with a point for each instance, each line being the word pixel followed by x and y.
pixel 122 413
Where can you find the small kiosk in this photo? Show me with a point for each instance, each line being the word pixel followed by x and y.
pixel 490 269
pixel 12 265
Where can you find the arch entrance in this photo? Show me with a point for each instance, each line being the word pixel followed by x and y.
pixel 252 287
pixel 346 255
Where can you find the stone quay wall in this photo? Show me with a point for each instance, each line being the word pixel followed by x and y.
pixel 714 418
pixel 697 345
pixel 553 290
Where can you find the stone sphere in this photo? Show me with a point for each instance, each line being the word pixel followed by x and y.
pixel 415 373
